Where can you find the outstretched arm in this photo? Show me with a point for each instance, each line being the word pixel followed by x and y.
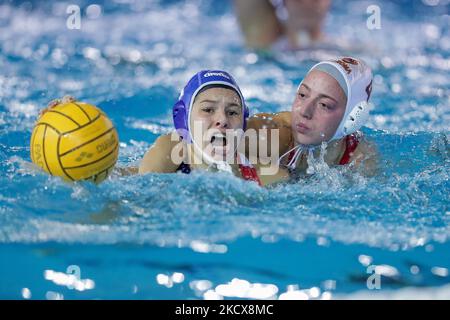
pixel 159 157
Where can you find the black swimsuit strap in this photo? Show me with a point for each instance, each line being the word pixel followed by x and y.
pixel 184 168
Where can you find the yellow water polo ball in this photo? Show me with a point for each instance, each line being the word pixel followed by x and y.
pixel 75 141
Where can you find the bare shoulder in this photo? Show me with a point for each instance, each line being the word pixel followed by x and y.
pixel 159 157
pixel 278 142
pixel 283 118
pixel 284 121
pixel 265 120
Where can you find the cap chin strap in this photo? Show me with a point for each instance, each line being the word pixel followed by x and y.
pixel 299 149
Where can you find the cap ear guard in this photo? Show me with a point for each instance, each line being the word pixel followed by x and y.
pixel 179 118
pixel 246 115
pixel 357 117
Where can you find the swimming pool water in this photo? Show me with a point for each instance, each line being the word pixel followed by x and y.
pixel 206 235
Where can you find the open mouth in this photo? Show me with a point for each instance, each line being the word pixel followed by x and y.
pixel 218 140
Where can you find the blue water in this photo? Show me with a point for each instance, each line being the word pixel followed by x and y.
pixel 180 237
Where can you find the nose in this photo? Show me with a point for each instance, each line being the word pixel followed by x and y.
pixel 221 121
pixel 306 109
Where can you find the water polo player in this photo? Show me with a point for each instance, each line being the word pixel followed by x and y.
pixel 331 105
pixel 209 118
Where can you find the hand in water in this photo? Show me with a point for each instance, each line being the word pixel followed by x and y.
pixel 264 22
pixel 305 18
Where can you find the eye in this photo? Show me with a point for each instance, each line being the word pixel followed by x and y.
pixel 325 106
pixel 233 113
pixel 208 110
pixel 301 95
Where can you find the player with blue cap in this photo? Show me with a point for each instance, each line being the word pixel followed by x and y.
pixel 210 117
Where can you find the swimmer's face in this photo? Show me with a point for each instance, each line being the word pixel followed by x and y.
pixel 318 108
pixel 216 115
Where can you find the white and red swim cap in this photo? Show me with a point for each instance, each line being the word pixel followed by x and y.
pixel 355 78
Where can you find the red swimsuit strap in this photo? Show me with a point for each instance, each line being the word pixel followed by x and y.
pixel 351 143
pixel 249 173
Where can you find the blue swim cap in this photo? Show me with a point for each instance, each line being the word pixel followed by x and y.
pixel 183 106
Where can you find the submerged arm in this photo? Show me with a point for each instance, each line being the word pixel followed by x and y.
pixel 366 158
